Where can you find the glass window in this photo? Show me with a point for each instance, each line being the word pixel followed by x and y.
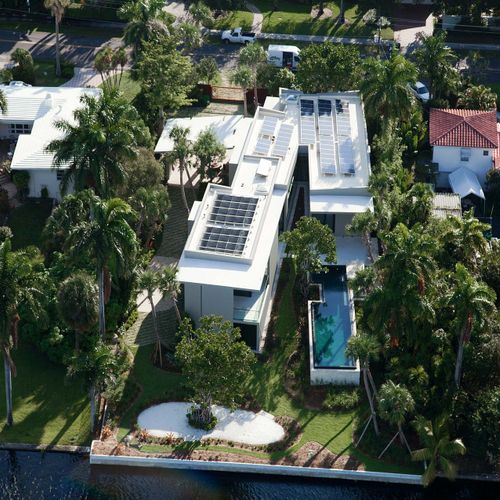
pixel 465 154
pixel 59 174
pixel 19 128
pixel 242 293
pixel 485 152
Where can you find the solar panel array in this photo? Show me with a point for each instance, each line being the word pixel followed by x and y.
pixel 307 122
pixel 325 119
pixel 266 135
pixel 282 143
pixel 229 224
pixel 327 162
pixel 344 133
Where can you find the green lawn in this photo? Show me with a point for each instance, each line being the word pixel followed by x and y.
pixel 27 223
pixel 47 408
pixel 129 87
pixel 294 17
pixel 45 74
pixel 235 19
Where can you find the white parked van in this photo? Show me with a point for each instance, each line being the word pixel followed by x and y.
pixel 283 56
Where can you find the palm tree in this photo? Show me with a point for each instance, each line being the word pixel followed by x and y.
pixel 145 19
pixel 364 223
pixel 472 302
pixel 243 77
pixel 366 348
pixel 110 63
pixel 180 154
pixel 104 133
pixel 78 305
pixel 438 449
pixel 57 8
pixel 253 56
pixel 466 236
pixel 477 97
pixel 16 287
pixel 395 402
pixel 171 287
pixel 3 102
pixel 109 240
pixel 149 281
pixel 210 152
pixel 385 88
pixel 435 63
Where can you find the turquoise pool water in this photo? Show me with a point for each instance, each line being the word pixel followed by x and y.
pixel 332 320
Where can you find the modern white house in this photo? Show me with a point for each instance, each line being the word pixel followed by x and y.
pixel 467 141
pixel 230 262
pixel 29 123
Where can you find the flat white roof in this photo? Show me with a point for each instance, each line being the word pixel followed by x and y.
pixel 233 250
pixel 42 106
pixel 231 130
pixel 327 203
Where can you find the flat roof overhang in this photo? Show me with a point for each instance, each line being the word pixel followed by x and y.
pixel 327 203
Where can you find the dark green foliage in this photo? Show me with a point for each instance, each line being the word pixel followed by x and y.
pixel 5 233
pixel 339 398
pixel 23 68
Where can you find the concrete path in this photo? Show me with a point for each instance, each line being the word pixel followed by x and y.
pixel 258 18
pixel 177 9
pixel 84 77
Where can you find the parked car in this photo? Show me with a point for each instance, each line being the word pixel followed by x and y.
pixel 283 56
pixel 18 83
pixel 420 91
pixel 237 36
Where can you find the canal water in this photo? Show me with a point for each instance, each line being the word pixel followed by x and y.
pixel 32 475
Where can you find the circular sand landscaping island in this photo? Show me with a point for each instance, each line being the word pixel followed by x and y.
pixel 240 426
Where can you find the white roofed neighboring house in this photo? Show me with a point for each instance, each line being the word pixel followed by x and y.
pixel 30 123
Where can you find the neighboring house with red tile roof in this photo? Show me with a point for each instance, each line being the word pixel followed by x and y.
pixel 463 138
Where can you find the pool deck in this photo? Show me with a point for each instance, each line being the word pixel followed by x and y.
pixel 352 253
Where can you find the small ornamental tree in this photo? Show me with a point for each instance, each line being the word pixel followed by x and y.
pixel 210 153
pixel 215 362
pixel 309 245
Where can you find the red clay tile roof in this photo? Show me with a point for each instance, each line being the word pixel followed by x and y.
pixel 463 128
pixel 496 154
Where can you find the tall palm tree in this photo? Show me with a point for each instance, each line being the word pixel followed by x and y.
pixel 57 8
pixel 181 154
pixel 364 223
pixel 385 88
pixel 78 305
pixel 395 402
pixel 109 240
pixel 435 62
pixel 3 102
pixel 472 301
pixel 105 132
pixel 438 449
pixel 145 19
pixel 17 287
pixel 243 77
pixel 366 348
pixel 169 286
pixel 253 56
pixel 477 97
pixel 149 281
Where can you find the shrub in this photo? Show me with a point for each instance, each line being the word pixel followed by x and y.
pixel 341 398
pixel 44 192
pixel 24 68
pixel 21 179
pixel 6 75
pixel 197 419
pixel 5 233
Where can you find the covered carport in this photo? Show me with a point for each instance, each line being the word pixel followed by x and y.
pixel 465 183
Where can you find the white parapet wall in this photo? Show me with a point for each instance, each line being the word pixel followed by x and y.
pixel 336 376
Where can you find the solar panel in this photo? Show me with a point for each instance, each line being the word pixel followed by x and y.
pixel 327 162
pixel 268 125
pixel 324 107
pixel 344 133
pixel 325 124
pixel 263 145
pixel 346 156
pixel 307 122
pixel 282 143
pixel 234 211
pixel 230 241
pixel 306 107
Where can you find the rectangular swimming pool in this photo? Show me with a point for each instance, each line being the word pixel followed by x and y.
pixel 332 320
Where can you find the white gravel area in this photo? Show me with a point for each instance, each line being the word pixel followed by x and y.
pixel 240 426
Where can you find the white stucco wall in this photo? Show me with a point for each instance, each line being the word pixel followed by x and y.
pixel 40 178
pixel 201 300
pixel 448 159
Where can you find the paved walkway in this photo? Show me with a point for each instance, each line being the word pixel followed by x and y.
pixel 84 77
pixel 258 18
pixel 177 9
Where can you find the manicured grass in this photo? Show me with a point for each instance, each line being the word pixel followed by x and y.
pixel 47 408
pixel 27 222
pixel 129 87
pixel 295 18
pixel 45 74
pixel 234 19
